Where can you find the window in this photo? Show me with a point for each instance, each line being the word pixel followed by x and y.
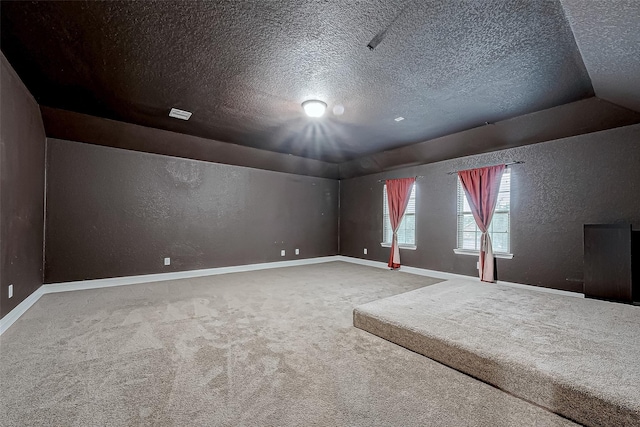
pixel 407 230
pixel 469 233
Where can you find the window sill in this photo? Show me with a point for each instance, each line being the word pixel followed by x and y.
pixel 410 247
pixel 476 253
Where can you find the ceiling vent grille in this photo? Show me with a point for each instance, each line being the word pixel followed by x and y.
pixel 179 114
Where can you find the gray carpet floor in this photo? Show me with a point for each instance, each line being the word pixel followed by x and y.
pixel 577 357
pixel 263 348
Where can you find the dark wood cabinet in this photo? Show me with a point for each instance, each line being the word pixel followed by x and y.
pixel 612 262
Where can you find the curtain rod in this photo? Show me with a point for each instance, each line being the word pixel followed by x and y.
pixel 519 162
pixel 416 177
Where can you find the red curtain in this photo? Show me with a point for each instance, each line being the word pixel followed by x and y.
pixel 398 194
pixel 481 187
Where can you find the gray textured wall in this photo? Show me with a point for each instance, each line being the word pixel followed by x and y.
pixel 22 142
pixel 564 184
pixel 113 212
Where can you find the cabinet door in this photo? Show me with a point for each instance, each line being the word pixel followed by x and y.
pixel 607 261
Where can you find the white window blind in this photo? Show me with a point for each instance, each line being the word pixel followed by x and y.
pixel 469 233
pixel 407 230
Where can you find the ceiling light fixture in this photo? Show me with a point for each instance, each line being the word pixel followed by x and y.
pixel 314 108
pixel 399 119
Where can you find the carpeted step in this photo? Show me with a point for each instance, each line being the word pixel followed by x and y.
pixel 573 356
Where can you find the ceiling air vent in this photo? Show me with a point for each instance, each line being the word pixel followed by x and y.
pixel 179 114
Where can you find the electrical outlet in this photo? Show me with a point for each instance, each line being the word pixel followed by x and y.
pixel 282 252
pixel 167 261
pixel 365 251
pixel 297 251
pixel 477 265
pixel 10 291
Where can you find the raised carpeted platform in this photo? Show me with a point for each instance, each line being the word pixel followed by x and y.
pixel 577 357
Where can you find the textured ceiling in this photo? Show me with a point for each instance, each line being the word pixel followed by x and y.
pixel 244 68
pixel 608 35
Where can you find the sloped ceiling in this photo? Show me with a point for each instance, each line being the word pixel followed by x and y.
pixel 244 68
pixel 608 36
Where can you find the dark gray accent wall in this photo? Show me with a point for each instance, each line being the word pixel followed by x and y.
pixel 114 212
pixel 562 185
pixel 22 142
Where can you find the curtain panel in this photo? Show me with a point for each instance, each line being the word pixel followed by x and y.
pixel 398 193
pixel 481 188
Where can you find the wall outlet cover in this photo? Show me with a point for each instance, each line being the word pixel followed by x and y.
pixel 297 251
pixel 282 252
pixel 167 261
pixel 365 251
pixel 10 291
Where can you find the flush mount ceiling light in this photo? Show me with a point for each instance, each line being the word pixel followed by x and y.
pixel 314 108
pixel 399 119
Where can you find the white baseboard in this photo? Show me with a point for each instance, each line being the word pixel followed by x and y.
pixel 451 276
pixel 19 310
